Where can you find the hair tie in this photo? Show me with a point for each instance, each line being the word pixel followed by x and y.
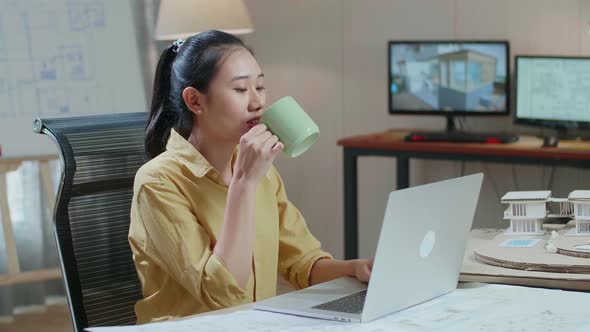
pixel 176 45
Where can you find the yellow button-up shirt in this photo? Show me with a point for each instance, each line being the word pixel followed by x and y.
pixel 176 216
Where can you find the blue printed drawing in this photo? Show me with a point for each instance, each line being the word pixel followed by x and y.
pixel 85 15
pixel 48 71
pixel 47 57
pixel 73 58
pixel 54 102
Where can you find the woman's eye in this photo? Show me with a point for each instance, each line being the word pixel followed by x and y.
pixel 260 88
pixel 240 90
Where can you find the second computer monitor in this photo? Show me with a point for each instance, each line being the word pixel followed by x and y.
pixel 553 91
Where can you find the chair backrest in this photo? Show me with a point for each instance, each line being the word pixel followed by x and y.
pixel 100 156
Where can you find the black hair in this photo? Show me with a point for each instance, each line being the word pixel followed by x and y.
pixel 192 63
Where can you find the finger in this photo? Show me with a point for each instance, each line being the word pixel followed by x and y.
pixel 250 136
pixel 363 277
pixel 366 273
pixel 263 137
pixel 278 148
pixel 257 130
pixel 270 142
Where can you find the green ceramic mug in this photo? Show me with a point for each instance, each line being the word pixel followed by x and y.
pixel 289 122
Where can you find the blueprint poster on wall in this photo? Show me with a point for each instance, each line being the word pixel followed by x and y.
pixel 63 58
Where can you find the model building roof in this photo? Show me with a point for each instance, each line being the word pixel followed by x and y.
pixel 539 195
pixel 581 195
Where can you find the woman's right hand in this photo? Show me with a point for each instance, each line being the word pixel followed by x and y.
pixel 258 149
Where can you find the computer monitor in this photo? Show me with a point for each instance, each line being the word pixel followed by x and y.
pixel 449 78
pixel 553 92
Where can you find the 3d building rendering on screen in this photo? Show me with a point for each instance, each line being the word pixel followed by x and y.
pixel 460 80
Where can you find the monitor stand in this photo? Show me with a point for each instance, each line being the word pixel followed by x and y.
pixel 568 134
pixel 551 140
pixel 453 135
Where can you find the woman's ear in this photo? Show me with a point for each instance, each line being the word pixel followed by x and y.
pixel 193 99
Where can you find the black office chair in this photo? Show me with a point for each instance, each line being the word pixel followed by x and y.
pixel 100 156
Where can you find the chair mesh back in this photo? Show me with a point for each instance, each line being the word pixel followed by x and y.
pixel 100 156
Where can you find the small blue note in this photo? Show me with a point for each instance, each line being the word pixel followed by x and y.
pixel 519 243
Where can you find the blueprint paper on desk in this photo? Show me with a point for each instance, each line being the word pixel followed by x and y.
pixel 481 308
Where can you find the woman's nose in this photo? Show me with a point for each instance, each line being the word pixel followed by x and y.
pixel 256 102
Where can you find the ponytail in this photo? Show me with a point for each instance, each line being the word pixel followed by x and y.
pixel 161 119
pixel 193 63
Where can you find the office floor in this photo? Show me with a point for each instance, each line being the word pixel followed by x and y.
pixel 57 318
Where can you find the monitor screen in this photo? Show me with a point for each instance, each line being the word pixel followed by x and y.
pixel 437 77
pixel 553 91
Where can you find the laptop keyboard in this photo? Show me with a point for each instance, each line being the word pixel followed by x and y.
pixel 352 303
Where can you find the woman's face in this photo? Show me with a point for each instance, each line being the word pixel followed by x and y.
pixel 235 99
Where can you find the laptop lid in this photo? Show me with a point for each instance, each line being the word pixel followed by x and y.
pixel 421 244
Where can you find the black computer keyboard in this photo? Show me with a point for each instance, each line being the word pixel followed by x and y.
pixel 460 136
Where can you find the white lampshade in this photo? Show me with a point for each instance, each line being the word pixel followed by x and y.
pixel 184 18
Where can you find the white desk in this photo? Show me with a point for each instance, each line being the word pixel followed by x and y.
pixel 473 307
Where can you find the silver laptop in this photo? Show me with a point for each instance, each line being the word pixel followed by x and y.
pixel 418 258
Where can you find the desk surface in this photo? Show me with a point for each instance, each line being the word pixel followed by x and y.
pixel 247 306
pixel 472 307
pixel 526 146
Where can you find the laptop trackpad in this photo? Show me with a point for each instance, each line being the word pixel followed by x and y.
pixel 352 303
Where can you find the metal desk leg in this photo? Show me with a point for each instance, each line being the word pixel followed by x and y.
pixel 403 172
pixel 350 205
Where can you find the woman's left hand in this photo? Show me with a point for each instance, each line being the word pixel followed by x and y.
pixel 362 269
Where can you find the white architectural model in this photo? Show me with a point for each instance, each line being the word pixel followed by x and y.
pixel 581 201
pixel 528 210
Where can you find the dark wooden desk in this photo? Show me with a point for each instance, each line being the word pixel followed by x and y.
pixel 527 150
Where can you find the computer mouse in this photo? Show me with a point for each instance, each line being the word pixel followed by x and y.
pixel 550 141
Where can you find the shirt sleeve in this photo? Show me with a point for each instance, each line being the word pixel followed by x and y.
pixel 298 248
pixel 182 248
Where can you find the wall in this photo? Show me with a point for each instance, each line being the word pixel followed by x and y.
pixel 299 47
pixel 332 57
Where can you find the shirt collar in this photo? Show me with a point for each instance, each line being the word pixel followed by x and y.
pixel 186 153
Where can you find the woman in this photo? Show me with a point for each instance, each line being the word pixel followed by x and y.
pixel 210 222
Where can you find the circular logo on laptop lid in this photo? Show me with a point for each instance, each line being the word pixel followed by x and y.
pixel 427 244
